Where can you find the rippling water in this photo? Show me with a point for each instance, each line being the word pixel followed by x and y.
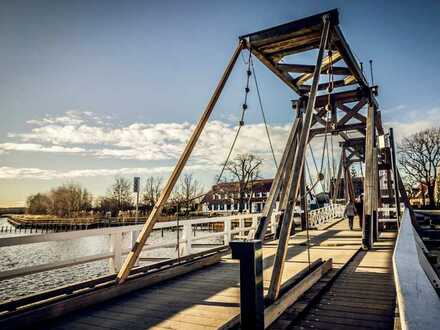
pixel 13 257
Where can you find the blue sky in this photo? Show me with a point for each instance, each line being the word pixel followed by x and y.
pixel 94 89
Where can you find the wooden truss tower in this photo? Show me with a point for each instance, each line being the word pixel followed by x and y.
pixel 343 106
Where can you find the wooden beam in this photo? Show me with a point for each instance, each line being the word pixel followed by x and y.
pixel 275 282
pixel 317 118
pixel 369 180
pixel 288 173
pixel 392 151
pixel 276 309
pixel 285 77
pixel 278 180
pixel 149 224
pixel 349 183
pixel 341 97
pixel 353 112
pixel 350 80
pixel 338 177
pixel 345 128
pixel 329 60
pixel 379 125
pixel 349 58
pixel 291 29
pixel 304 68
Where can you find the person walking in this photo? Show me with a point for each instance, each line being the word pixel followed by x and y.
pixel 350 212
pixel 360 209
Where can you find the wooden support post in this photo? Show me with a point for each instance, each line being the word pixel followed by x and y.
pixel 375 195
pixel 304 213
pixel 348 180
pixel 395 173
pixel 338 178
pixel 368 180
pixel 149 224
pixel 275 282
pixel 278 180
pixel 250 254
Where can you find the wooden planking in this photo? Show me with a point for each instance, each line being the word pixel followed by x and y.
pixel 362 296
pixel 211 294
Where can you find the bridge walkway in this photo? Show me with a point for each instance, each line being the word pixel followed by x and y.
pixel 361 297
pixel 208 298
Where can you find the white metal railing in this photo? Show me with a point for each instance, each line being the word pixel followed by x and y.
pixel 122 238
pixel 325 214
pixel 418 301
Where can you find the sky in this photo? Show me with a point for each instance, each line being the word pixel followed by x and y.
pixel 90 90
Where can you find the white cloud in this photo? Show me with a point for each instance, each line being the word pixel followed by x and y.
pixel 415 121
pixel 85 133
pixel 45 174
pixel 161 141
pixel 4 147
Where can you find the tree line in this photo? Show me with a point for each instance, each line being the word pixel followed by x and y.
pixel 72 200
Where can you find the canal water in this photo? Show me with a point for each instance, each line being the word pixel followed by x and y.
pixel 13 257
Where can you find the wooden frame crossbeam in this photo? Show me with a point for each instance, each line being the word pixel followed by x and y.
pixel 278 180
pixel 326 63
pixel 353 112
pixel 304 68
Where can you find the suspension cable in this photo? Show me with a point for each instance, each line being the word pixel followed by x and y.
pixel 315 164
pixel 241 122
pixel 262 112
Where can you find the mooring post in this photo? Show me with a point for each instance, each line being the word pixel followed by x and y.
pixel 250 255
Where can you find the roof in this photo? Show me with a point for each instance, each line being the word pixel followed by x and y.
pixel 260 185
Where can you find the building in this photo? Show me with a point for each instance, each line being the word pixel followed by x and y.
pixel 225 198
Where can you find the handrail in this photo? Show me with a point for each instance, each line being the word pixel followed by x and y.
pixel 325 214
pixel 418 301
pixel 122 239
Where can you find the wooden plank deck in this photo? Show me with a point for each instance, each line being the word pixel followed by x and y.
pixel 208 298
pixel 362 297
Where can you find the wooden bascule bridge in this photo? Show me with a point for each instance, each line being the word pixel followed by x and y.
pixel 324 276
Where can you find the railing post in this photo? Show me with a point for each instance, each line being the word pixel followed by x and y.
pixel 116 248
pixel 241 225
pixel 187 235
pixel 274 220
pixel 227 230
pixel 250 255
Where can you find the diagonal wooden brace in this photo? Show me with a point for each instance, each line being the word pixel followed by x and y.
pixel 149 224
pixel 298 164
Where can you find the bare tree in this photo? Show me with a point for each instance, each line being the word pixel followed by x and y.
pixel 70 199
pixel 152 189
pixel 186 192
pixel 39 204
pixel 245 169
pixel 120 194
pixel 420 159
